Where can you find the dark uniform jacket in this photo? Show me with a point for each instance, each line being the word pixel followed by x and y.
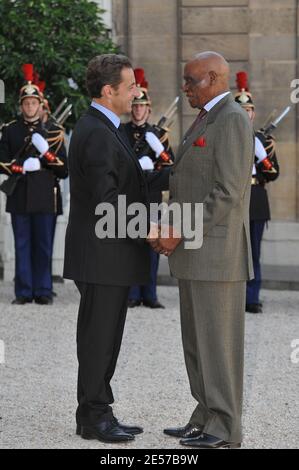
pixel 103 167
pixel 36 192
pixel 259 202
pixel 134 134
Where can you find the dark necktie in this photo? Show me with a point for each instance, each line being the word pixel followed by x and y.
pixel 199 118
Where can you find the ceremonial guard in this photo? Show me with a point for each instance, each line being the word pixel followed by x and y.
pixel 33 156
pixel 265 170
pixel 136 131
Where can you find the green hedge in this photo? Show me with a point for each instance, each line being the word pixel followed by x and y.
pixel 59 38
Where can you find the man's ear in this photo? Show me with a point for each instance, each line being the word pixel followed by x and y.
pixel 213 77
pixel 107 91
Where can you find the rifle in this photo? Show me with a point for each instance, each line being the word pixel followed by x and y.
pixel 141 147
pixel 266 163
pixel 273 125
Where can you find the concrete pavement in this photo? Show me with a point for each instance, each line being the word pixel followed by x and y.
pixel 38 378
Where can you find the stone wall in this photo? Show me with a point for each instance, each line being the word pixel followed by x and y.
pixel 259 37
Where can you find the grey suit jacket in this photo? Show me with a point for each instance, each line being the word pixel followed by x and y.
pixel 218 175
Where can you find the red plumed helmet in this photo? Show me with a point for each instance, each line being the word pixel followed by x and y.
pixel 142 85
pixel 243 97
pixel 28 72
pixel 242 81
pixel 140 78
pixel 30 90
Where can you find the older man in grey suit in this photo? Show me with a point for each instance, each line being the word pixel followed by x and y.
pixel 213 167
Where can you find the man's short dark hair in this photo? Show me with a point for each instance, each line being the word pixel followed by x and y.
pixel 105 70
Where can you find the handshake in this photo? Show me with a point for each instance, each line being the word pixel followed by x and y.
pixel 163 239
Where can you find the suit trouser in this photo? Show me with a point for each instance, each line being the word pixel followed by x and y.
pixel 33 234
pixel 212 318
pixel 254 286
pixel 101 321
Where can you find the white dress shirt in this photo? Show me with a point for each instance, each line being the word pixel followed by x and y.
pixel 215 100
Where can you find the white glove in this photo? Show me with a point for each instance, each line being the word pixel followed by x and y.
pixel 260 151
pixel 31 164
pixel 146 163
pixel 154 143
pixel 40 143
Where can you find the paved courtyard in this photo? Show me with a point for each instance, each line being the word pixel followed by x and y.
pixel 38 378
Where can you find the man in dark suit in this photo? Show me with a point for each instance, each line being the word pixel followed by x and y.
pixel 102 168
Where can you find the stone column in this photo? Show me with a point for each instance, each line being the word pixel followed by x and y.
pixel 147 33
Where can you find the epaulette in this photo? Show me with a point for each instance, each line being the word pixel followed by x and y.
pixel 270 146
pixel 268 142
pixel 55 139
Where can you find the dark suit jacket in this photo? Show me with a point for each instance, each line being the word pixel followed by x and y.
pixel 103 167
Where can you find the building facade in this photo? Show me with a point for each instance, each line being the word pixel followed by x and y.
pixel 259 37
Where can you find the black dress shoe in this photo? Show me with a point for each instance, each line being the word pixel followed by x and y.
pixel 43 300
pixel 186 432
pixel 205 441
pixel 153 304
pixel 127 429
pixel 254 308
pixel 133 303
pixel 106 431
pixel 21 301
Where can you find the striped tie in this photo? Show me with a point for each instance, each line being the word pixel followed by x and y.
pixel 199 118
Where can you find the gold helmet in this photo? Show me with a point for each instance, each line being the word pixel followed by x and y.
pixel 30 90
